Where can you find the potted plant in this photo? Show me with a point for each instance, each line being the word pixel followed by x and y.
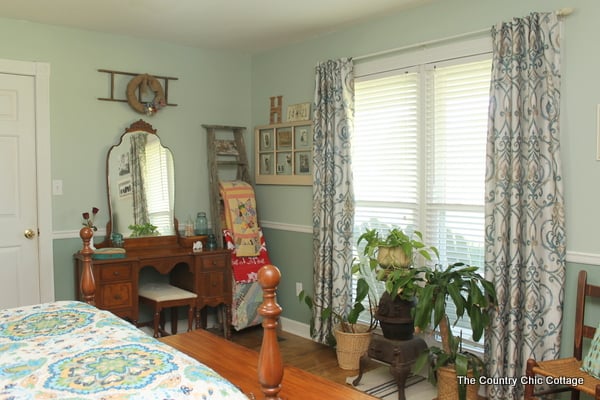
pixel 470 293
pixel 147 229
pixel 350 337
pixel 392 257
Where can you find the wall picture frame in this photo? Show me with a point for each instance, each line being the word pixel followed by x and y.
pixel 284 138
pixel 283 153
pixel 298 112
pixel 125 188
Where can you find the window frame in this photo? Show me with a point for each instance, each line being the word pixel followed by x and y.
pixel 420 58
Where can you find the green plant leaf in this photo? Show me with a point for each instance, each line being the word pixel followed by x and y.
pixel 439 310
pixel 462 367
pixel 355 312
pixel 421 361
pixel 457 299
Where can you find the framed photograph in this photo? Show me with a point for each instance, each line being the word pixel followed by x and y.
pixel 284 138
pixel 302 137
pixel 124 168
pixel 284 163
pixel 303 163
pixel 266 139
pixel 125 188
pixel 266 164
pixel 298 112
pixel 226 147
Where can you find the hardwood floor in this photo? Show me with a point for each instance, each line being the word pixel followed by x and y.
pixel 302 353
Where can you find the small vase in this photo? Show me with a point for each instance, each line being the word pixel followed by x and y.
pixel 92 243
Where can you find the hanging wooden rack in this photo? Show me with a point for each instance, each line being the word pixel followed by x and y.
pixel 112 73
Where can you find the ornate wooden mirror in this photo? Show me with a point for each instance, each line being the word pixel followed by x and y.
pixel 141 185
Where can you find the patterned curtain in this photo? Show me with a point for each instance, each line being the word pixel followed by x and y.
pixel 525 226
pixel 138 168
pixel 333 197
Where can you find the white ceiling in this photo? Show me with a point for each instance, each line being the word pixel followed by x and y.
pixel 246 25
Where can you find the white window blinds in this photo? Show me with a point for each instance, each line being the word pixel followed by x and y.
pixel 157 188
pixel 419 155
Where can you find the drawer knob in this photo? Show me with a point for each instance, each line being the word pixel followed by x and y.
pixel 118 297
pixel 116 273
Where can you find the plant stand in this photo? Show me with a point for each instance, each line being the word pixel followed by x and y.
pixel 400 354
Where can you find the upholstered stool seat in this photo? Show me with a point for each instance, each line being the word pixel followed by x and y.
pixel 162 295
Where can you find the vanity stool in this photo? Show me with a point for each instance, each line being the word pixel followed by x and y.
pixel 400 355
pixel 162 295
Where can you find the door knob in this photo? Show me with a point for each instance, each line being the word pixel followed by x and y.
pixel 29 233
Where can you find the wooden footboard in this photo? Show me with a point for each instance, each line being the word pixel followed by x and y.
pixel 270 366
pixel 87 286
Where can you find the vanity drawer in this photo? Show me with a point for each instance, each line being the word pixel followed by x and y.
pixel 116 295
pixel 214 261
pixel 111 273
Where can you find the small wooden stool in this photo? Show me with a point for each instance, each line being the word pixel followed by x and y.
pixel 162 295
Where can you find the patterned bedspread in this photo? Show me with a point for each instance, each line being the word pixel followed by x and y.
pixel 71 350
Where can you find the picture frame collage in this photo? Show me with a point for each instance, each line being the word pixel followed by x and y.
pixel 284 153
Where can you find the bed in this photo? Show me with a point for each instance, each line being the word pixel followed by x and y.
pixel 70 349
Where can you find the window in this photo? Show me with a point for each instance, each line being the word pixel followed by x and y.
pixel 419 151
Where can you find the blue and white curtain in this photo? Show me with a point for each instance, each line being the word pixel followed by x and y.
pixel 525 220
pixel 333 197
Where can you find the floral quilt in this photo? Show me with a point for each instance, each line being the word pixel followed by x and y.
pixel 71 350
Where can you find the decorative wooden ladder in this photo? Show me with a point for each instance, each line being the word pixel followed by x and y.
pixel 224 155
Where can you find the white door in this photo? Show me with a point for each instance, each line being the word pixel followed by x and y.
pixel 19 246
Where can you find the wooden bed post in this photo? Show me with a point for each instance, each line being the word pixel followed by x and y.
pixel 87 286
pixel 270 366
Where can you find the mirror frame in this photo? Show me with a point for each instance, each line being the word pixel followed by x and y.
pixel 144 241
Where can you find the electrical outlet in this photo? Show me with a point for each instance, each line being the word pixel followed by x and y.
pixel 298 288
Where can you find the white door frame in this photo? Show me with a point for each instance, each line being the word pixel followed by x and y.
pixel 41 73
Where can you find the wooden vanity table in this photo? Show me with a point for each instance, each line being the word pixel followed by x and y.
pixel 208 274
pixel 140 180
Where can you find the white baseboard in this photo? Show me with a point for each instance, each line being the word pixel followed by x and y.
pixel 296 328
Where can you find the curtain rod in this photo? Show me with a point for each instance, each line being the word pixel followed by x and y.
pixel 563 12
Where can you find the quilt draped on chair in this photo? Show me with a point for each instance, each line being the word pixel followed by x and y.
pixel 525 220
pixel 333 197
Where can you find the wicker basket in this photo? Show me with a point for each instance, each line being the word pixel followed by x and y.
pixel 447 384
pixel 351 346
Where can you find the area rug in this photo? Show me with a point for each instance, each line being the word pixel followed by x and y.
pixel 381 384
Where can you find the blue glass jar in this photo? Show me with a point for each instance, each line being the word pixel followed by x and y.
pixel 211 242
pixel 117 239
pixel 201 224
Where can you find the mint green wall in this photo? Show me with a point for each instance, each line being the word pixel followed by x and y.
pixel 213 88
pixel 289 72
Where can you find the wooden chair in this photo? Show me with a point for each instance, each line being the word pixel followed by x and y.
pixel 567 367
pixel 162 295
